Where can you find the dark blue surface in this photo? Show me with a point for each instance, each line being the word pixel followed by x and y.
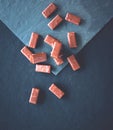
pixel 88 103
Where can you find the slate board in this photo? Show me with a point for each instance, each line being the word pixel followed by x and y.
pixel 88 100
pixel 24 17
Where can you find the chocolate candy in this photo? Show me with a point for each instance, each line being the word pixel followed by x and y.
pixel 34 96
pixel 26 52
pixel 43 68
pixel 33 40
pixel 73 62
pixel 38 57
pixel 72 18
pixel 55 22
pixel 49 10
pixel 50 40
pixel 58 61
pixel 71 39
pixel 56 50
pixel 56 91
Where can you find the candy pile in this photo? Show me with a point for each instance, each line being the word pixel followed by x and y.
pixel 55 54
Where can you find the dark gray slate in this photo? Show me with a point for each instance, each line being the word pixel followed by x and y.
pixel 24 17
pixel 88 100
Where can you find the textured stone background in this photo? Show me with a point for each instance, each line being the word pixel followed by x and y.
pixel 88 100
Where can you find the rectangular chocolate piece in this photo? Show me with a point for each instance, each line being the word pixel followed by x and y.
pixel 38 57
pixel 43 68
pixel 73 62
pixel 72 39
pixel 49 10
pixel 55 22
pixel 56 50
pixel 34 96
pixel 50 40
pixel 72 18
pixel 56 91
pixel 58 61
pixel 26 52
pixel 33 40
